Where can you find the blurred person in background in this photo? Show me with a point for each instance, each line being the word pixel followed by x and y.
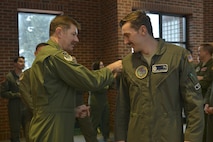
pixel 204 70
pixel 99 107
pixel 85 123
pixel 17 111
pixel 208 101
pixel 25 92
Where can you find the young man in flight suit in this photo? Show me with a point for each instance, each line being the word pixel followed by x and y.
pixel 157 81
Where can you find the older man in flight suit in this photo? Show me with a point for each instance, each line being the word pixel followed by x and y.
pixel 24 87
pixel 55 79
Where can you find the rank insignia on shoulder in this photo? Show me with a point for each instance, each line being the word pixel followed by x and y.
pixel 141 72
pixel 67 57
pixel 190 59
pixel 157 68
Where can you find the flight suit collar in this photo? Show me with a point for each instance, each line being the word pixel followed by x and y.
pixel 161 48
pixel 209 62
pixel 53 44
pixel 14 74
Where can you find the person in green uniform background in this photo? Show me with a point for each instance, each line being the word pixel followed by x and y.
pixel 204 70
pixel 55 80
pixel 208 100
pixel 24 85
pixel 25 92
pixel 157 81
pixel 85 123
pixel 17 112
pixel 99 107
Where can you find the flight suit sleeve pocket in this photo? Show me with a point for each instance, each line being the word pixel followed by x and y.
pixel 194 81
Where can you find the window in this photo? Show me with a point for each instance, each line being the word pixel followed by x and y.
pixel 33 28
pixel 171 28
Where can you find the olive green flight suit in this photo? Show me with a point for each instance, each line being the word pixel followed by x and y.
pixel 209 118
pixel 99 111
pixel 18 115
pixel 25 91
pixel 151 98
pixel 54 80
pixel 206 72
pixel 85 124
pixel 25 94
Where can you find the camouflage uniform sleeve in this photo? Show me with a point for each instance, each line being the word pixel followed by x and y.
pixel 193 101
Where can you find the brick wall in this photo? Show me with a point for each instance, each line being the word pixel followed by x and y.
pixel 100 37
pixel 87 12
pixel 208 21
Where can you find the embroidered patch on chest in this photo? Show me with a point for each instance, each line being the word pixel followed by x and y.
pixel 157 68
pixel 141 72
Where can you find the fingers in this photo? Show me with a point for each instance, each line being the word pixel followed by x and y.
pixel 210 110
pixel 82 111
pixel 116 66
pixel 207 109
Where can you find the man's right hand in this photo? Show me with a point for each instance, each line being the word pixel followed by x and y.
pixel 82 111
pixel 115 67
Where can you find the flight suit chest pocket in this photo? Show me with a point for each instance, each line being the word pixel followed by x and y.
pixel 163 74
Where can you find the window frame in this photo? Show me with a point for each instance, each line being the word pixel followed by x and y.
pixel 32 11
pixel 39 11
pixel 161 14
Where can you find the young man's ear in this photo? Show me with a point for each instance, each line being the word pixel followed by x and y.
pixel 142 30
